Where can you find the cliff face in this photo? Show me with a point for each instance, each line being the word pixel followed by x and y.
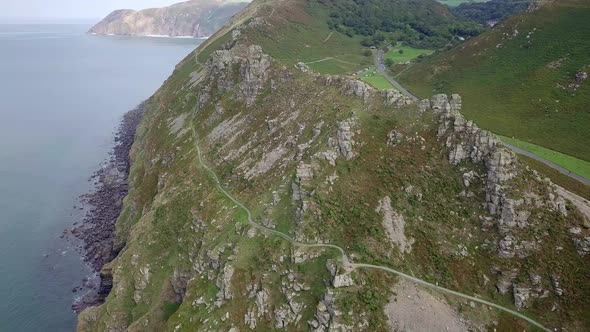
pixel 327 159
pixel 196 18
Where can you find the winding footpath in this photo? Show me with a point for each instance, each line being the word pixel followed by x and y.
pixel 381 68
pixel 345 260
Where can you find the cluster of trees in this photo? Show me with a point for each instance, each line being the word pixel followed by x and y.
pixel 490 11
pixel 423 24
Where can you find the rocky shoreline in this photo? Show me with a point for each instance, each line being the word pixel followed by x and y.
pixel 103 206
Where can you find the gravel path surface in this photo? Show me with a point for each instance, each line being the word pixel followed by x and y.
pixel 345 260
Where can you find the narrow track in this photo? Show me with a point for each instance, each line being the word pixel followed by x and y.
pixel 345 261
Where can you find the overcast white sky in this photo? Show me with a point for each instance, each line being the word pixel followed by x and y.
pixel 72 9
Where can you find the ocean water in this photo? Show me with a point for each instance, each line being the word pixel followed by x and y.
pixel 62 94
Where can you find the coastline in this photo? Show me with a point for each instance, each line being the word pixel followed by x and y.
pixel 103 205
pixel 148 36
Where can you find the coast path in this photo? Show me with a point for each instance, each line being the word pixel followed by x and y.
pixel 345 260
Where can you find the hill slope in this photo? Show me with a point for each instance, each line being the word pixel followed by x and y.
pixel 252 175
pixel 523 79
pixel 196 18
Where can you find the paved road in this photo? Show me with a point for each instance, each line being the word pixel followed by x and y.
pixel 381 68
pixel 548 163
pixel 345 260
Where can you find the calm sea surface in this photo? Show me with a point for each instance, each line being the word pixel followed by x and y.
pixel 62 93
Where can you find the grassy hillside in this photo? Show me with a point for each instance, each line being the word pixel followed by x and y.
pixel 327 160
pixel 516 78
pixel 424 24
pixel 572 164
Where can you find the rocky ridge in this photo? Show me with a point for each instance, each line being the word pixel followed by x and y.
pixel 314 155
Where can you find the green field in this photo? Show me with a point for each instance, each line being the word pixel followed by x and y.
pixel 570 163
pixel 408 53
pixel 515 79
pixel 374 78
pixel 454 3
pixel 323 50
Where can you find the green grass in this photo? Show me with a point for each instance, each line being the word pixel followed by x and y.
pixel 330 52
pixel 409 53
pixel 558 178
pixel 570 163
pixel 454 3
pixel 374 78
pixel 513 85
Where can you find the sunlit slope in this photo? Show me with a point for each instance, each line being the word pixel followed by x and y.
pixel 519 79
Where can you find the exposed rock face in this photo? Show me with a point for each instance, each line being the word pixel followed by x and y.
pixel 348 86
pixel 339 279
pixel 346 132
pixel 394 97
pixel 394 225
pixel 505 281
pixel 195 18
pixel 252 65
pixel 324 314
pixel 467 142
pixel 224 285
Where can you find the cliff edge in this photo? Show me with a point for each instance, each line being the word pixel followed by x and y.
pixel 196 18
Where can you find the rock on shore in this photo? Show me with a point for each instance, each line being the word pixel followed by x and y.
pixel 104 204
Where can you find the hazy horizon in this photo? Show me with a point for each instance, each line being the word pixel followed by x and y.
pixel 82 11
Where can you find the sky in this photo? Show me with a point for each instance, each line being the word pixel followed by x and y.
pixel 71 9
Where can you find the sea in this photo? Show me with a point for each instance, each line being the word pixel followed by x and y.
pixel 62 95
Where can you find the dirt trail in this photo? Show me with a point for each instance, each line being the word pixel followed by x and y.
pixel 345 260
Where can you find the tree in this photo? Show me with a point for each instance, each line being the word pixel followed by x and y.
pixel 367 53
pixel 389 62
pixel 400 51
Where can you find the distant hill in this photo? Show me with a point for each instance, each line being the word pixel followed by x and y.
pixel 195 18
pixel 526 77
pixel 489 13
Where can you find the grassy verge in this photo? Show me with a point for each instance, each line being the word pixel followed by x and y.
pixel 374 78
pixel 558 178
pixel 407 53
pixel 575 165
pixel 312 42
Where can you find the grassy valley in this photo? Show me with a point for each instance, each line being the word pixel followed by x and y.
pixel 520 77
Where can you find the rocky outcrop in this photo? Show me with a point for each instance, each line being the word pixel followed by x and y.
pixel 326 317
pixel 394 225
pixel 224 284
pixel 251 64
pixel 187 19
pixel 345 135
pixel 348 86
pixel 339 278
pixel 465 141
pixel 394 97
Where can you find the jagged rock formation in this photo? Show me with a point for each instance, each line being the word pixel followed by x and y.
pixel 324 159
pixel 195 18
